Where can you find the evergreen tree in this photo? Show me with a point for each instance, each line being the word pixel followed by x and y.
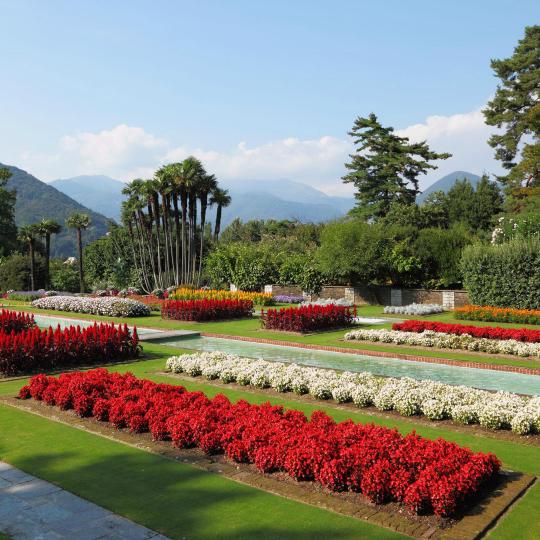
pixel 488 203
pixel 516 109
pixel 385 167
pixel 8 229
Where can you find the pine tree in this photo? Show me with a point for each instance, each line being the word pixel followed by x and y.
pixel 8 229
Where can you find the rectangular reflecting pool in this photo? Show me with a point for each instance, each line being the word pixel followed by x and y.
pixel 391 367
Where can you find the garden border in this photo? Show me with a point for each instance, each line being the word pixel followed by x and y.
pixel 477 520
pixel 382 354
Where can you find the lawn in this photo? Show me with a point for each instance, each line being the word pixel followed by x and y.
pixel 151 490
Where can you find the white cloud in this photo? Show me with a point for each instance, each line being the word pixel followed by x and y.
pixel 126 152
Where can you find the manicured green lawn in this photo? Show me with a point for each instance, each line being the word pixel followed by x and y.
pixel 87 464
pixel 251 328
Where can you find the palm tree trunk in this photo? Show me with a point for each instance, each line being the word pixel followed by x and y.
pixel 81 271
pixel 203 223
pixel 32 265
pixel 47 260
pixel 217 226
pixel 183 201
pixel 176 238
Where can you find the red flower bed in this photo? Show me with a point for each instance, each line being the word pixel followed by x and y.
pixel 489 332
pixel 427 476
pixel 206 310
pixel 13 321
pixel 151 300
pixel 36 349
pixel 307 318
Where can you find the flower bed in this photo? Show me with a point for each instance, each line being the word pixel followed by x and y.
pixel 441 340
pixel 150 300
pixel 414 309
pixel 307 318
pixel 436 401
pixel 497 314
pixel 487 332
pixel 426 476
pixel 206 310
pixel 259 298
pixel 111 306
pixel 13 321
pixel 329 302
pixel 288 299
pixel 36 349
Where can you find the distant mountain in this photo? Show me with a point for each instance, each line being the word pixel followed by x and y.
pixel 37 200
pixel 101 193
pixel 251 199
pixel 446 182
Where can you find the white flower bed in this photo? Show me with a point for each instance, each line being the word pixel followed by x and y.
pixel 428 338
pixel 436 401
pixel 328 302
pixel 414 309
pixel 110 306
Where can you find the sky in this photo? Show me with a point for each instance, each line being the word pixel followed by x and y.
pixel 257 90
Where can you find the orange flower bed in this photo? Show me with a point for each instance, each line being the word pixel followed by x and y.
pixel 498 314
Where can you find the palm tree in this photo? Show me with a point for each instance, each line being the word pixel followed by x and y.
pixel 46 228
pixel 28 234
pixel 222 198
pixel 79 222
pixel 207 185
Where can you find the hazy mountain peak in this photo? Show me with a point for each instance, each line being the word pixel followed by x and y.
pixel 446 182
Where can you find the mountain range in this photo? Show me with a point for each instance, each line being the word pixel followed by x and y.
pixel 37 200
pixel 446 182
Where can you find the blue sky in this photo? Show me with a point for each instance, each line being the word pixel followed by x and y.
pixel 256 89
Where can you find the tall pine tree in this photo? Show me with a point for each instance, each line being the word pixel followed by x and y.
pixel 8 229
pixel 385 167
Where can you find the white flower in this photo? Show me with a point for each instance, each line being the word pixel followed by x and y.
pixel 110 306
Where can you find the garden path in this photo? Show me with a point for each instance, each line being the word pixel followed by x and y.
pixel 32 509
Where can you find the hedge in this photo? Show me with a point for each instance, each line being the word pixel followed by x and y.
pixel 504 275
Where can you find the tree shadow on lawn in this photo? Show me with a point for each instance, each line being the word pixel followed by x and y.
pixel 181 501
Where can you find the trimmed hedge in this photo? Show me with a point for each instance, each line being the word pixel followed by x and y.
pixel 504 275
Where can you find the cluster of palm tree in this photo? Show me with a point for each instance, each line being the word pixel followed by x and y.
pixel 166 218
pixel 44 229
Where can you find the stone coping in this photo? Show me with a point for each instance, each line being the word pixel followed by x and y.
pixel 381 354
pixel 473 523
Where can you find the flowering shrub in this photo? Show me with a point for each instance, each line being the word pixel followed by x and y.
pixel 307 318
pixel 441 340
pixel 36 349
pixel 111 306
pixel 288 299
pixel 436 401
pixel 487 332
pixel 414 309
pixel 497 314
pixel 259 298
pixel 206 310
pixel 426 476
pixel 13 321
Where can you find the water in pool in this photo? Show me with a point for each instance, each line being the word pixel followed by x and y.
pixel 479 378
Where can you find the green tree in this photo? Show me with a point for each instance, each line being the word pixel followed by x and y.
pixel 15 272
pixel 222 199
pixel 488 203
pixel 515 109
pixel 28 235
pixel 385 167
pixel 79 222
pixel 46 228
pixel 8 229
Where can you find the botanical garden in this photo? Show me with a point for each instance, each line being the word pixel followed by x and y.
pixel 209 382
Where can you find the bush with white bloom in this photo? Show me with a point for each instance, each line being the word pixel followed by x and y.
pixel 435 400
pixel 111 306
pixel 414 309
pixel 440 340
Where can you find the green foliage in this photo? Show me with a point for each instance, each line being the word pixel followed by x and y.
pixel 15 272
pixel 525 225
pixel 300 269
pixel 516 109
pixel 385 167
pixel 505 275
pixel 64 277
pixel 8 229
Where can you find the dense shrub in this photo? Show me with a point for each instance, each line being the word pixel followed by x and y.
pixel 13 321
pixel 36 349
pixel 109 306
pixel 426 476
pixel 505 275
pixel 206 310
pixel 307 318
pixel 487 332
pixel 15 272
pixel 497 314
